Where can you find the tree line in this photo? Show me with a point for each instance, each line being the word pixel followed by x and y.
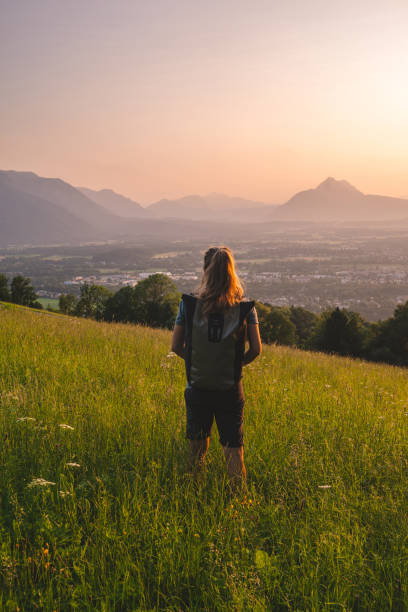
pixel 20 291
pixel 154 302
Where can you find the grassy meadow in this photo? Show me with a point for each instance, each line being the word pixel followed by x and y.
pixel 52 302
pixel 96 411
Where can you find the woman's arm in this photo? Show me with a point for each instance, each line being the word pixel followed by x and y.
pixel 255 344
pixel 178 341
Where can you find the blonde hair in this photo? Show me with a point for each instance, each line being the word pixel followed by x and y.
pixel 220 286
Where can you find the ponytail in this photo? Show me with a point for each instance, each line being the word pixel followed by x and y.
pixel 220 286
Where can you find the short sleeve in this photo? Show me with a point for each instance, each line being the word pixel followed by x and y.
pixel 180 318
pixel 252 317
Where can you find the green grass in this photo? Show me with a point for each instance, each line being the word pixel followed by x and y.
pixel 53 302
pixel 129 529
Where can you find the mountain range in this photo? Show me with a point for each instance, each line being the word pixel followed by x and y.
pixel 37 210
pixel 196 207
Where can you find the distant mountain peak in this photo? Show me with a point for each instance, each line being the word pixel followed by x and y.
pixel 215 195
pixel 332 184
pixel 114 202
pixel 110 191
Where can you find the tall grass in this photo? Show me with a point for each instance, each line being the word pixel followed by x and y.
pixel 124 527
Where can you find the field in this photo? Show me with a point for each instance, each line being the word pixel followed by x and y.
pixel 96 411
pixel 52 302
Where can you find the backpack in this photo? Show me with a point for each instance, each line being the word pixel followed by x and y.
pixel 215 344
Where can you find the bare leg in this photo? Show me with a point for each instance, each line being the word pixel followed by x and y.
pixel 198 451
pixel 235 464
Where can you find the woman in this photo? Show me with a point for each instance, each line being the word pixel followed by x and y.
pixel 210 332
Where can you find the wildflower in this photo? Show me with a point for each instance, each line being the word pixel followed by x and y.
pixel 26 418
pixel 72 464
pixel 65 493
pixel 40 482
pixel 171 354
pixel 196 535
pixel 324 487
pixel 65 426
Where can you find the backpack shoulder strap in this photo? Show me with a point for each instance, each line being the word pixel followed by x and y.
pixel 190 302
pixel 244 309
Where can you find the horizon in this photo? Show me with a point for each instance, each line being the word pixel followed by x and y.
pixel 166 100
pixel 200 195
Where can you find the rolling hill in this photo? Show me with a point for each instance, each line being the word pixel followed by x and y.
pixel 98 510
pixel 63 195
pixel 27 218
pixel 212 207
pixel 114 202
pixel 49 210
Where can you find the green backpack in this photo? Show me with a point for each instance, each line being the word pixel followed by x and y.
pixel 215 344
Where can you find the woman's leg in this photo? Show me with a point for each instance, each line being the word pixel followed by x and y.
pixel 198 429
pixel 198 451
pixel 230 422
pixel 235 464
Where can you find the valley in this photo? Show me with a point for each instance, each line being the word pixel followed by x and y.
pixel 360 268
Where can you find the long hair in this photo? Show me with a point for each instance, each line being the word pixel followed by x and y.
pixel 220 286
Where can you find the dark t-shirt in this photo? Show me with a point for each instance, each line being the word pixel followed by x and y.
pixel 252 317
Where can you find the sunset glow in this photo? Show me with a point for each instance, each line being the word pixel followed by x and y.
pixel 162 99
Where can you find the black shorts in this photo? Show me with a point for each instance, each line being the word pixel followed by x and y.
pixel 226 406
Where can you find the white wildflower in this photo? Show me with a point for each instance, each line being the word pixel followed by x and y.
pixel 40 482
pixel 171 354
pixel 73 464
pixel 65 426
pixel 23 419
pixel 65 493
pixel 324 487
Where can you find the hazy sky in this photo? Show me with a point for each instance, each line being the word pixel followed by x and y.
pixel 160 98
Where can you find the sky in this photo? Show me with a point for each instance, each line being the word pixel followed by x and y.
pixel 160 98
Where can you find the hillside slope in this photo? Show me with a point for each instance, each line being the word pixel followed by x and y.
pixel 30 219
pixel 114 202
pixel 97 411
pixel 211 207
